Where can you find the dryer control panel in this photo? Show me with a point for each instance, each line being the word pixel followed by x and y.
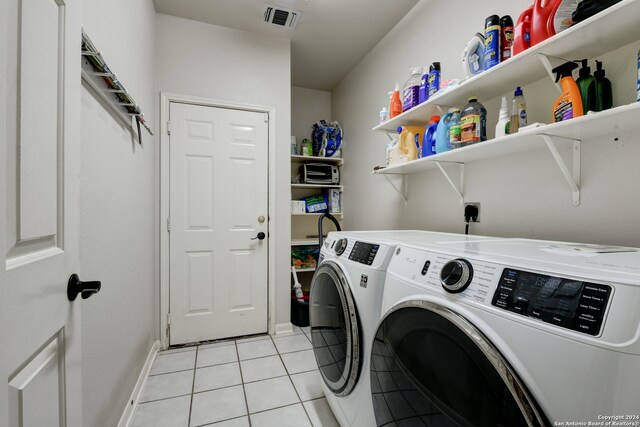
pixel 572 304
pixel 364 253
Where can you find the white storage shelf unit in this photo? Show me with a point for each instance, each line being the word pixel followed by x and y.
pixel 609 30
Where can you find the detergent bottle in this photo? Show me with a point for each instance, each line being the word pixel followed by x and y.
pixel 395 107
pixel 442 132
pixel 429 141
pixel 454 140
pixel 409 141
pixel 569 104
pixel 522 33
pixel 550 17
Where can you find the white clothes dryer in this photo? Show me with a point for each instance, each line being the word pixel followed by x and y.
pixel 345 308
pixel 508 332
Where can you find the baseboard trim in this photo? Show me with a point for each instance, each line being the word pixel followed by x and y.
pixel 284 328
pixel 132 403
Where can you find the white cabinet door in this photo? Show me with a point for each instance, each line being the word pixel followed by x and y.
pixel 40 361
pixel 218 204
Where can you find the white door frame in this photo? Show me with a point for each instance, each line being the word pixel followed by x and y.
pixel 165 100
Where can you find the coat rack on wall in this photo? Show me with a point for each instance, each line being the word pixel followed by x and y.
pixel 97 74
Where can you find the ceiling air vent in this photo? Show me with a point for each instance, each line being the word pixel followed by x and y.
pixel 281 16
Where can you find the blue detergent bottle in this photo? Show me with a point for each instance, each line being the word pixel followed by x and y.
pixel 442 132
pixel 429 141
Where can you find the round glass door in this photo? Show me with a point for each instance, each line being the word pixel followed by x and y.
pixel 334 329
pixel 431 367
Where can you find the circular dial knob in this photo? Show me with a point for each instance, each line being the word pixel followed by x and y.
pixel 341 245
pixel 456 275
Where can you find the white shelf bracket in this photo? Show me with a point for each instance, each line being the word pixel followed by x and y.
pixel 390 134
pixel 459 190
pixel 572 177
pixel 402 189
pixel 547 65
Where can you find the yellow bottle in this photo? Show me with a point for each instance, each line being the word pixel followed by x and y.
pixel 569 104
pixel 410 141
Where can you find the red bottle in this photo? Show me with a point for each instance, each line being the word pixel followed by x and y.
pixel 550 17
pixel 522 33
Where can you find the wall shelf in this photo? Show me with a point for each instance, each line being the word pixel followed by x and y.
pixel 316 214
pixel 299 159
pixel 596 125
pixel 304 242
pixel 97 74
pixel 315 186
pixel 611 29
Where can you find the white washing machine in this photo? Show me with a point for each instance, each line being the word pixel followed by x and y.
pixel 346 298
pixel 508 332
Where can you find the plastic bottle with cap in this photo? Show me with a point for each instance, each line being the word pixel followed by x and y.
pixel 518 111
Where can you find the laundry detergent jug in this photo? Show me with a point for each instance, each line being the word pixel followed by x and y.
pixel 551 17
pixel 410 140
pixel 522 33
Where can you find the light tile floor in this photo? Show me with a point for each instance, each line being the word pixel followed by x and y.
pixel 251 382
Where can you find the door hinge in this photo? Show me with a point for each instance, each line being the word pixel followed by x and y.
pixel 168 319
pixel 168 127
pixel 168 224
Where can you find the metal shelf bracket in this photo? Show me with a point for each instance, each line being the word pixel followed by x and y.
pixel 572 177
pixel 390 134
pixel 459 190
pixel 402 189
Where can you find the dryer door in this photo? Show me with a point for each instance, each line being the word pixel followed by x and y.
pixel 334 328
pixel 430 366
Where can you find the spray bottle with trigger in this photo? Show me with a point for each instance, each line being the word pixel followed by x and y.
pixel 569 104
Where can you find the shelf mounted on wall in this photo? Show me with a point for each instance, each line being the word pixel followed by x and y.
pixel 97 74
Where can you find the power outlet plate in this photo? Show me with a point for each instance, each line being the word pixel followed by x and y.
pixel 477 205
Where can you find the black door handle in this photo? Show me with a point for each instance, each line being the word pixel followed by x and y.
pixel 260 236
pixel 85 289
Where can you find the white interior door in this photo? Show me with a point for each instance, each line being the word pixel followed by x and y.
pixel 40 360
pixel 218 204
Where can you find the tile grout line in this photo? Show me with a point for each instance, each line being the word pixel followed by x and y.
pixel 294 386
pixel 244 391
pixel 193 385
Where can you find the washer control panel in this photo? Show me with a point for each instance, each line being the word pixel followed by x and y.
pixel 364 253
pixel 571 304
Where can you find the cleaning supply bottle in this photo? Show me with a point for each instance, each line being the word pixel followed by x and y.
pixel 383 115
pixel 587 85
pixel 522 33
pixel 518 111
pixel 604 91
pixel 506 37
pixel 551 17
pixel 442 132
pixel 429 141
pixel 395 107
pixel 434 79
pixel 410 140
pixel 569 104
pixel 473 123
pixel 411 89
pixel 455 130
pixel 423 91
pixel 502 128
pixel 491 41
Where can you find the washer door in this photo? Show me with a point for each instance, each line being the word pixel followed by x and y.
pixel 430 366
pixel 334 329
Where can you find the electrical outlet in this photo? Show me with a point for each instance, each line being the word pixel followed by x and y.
pixel 477 206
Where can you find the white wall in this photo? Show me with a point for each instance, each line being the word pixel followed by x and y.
pixel 193 58
pixel 521 195
pixel 307 107
pixel 118 224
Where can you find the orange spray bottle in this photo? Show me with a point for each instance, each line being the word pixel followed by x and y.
pixel 395 107
pixel 569 104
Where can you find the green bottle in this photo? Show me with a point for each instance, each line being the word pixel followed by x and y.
pixel 604 92
pixel 587 86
